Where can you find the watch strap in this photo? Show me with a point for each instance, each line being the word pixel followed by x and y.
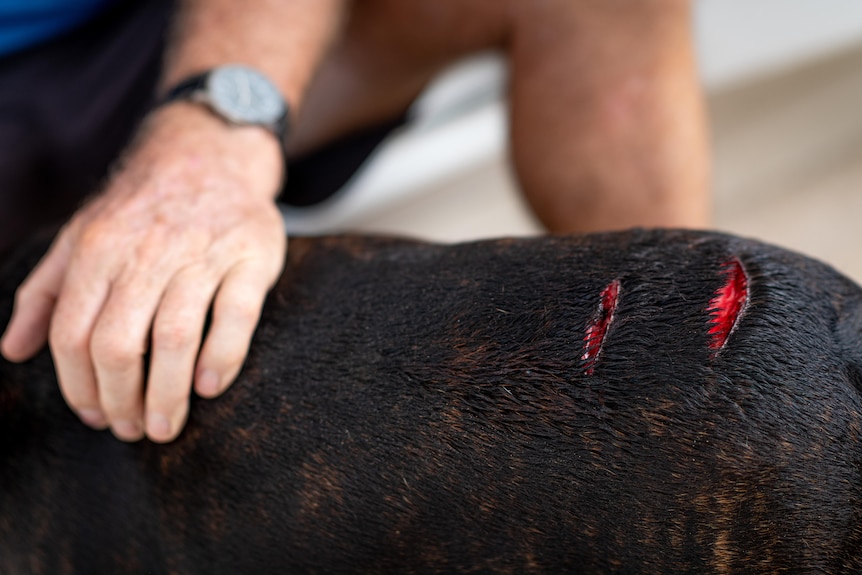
pixel 185 89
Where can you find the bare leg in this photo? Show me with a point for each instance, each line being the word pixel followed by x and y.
pixel 608 129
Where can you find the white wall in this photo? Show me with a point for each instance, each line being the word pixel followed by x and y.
pixel 739 39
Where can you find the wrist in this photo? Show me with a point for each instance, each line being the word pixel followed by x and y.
pixel 189 134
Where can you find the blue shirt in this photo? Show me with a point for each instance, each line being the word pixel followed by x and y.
pixel 24 23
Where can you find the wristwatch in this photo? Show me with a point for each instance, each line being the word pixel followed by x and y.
pixel 238 94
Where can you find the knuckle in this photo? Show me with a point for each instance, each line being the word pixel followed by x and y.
pixel 175 334
pixel 112 352
pixel 245 310
pixel 93 237
pixel 65 341
pixel 153 249
pixel 24 293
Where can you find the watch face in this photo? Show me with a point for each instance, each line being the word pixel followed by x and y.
pixel 244 95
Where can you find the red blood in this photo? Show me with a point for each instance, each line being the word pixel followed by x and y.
pixel 727 305
pixel 598 326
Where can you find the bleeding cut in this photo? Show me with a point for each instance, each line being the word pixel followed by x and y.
pixel 597 329
pixel 726 307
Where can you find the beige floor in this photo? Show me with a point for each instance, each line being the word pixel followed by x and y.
pixel 788 169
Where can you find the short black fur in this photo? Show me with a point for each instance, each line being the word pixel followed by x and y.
pixel 415 408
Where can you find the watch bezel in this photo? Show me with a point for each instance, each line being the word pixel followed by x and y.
pixel 224 78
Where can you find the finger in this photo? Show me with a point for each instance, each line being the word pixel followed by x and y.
pixel 78 305
pixel 176 339
pixel 35 299
pixel 117 347
pixel 236 311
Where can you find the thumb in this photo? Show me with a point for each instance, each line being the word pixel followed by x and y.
pixel 27 331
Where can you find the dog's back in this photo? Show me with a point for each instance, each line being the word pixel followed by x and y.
pixel 642 402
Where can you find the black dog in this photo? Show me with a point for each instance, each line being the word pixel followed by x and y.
pixel 641 402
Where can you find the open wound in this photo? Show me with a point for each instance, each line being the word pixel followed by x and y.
pixel 597 328
pixel 728 305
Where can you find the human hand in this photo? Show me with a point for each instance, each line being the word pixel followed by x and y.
pixel 187 223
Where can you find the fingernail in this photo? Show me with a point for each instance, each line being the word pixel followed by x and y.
pixel 127 430
pixel 93 417
pixel 158 426
pixel 208 382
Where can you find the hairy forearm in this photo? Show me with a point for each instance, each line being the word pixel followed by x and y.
pixel 284 39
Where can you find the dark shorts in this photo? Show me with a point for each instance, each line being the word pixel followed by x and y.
pixel 69 106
